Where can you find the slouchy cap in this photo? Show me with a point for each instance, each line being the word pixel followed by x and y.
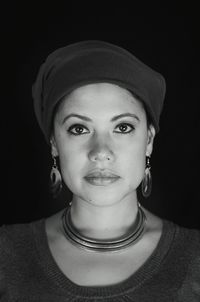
pixel 93 61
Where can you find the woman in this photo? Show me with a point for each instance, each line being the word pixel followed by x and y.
pixel 99 107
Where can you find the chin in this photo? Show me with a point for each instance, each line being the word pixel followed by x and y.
pixel 104 198
pixel 102 203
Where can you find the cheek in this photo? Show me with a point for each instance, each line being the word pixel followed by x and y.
pixel 71 163
pixel 133 162
pixel 130 157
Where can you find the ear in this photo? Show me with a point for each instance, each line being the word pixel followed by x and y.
pixel 151 132
pixel 54 150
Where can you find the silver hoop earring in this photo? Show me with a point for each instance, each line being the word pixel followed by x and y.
pixel 147 180
pixel 55 179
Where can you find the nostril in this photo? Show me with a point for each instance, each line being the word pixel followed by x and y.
pixel 101 157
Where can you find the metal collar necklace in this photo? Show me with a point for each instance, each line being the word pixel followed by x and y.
pixel 104 245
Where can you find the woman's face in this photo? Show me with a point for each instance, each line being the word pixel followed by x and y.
pixel 110 135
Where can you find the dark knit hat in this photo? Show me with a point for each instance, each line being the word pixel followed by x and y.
pixel 94 61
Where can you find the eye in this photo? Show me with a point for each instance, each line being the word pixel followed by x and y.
pixel 78 129
pixel 123 128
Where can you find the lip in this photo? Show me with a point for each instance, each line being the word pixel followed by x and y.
pixel 101 181
pixel 101 174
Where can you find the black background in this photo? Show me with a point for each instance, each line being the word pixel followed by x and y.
pixel 167 40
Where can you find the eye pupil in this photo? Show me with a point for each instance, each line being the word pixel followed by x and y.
pixel 80 129
pixel 123 127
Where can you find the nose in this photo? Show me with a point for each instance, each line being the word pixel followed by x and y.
pixel 100 150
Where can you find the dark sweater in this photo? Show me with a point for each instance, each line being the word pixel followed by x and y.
pixel 28 271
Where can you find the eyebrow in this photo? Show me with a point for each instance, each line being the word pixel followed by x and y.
pixel 87 119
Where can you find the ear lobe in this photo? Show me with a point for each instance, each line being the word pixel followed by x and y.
pixel 54 151
pixel 150 139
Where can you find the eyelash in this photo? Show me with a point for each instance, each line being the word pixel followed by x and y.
pixel 81 126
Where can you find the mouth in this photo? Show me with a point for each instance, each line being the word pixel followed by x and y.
pixel 101 181
pixel 101 174
pixel 101 178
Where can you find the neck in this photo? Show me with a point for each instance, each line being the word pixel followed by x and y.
pixel 102 222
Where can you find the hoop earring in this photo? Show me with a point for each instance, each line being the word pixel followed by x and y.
pixel 55 179
pixel 147 180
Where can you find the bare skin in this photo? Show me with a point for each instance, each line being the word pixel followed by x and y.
pixel 102 140
pixel 95 269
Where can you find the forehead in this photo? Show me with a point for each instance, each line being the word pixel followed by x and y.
pixel 100 98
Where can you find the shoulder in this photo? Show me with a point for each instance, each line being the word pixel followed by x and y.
pixel 185 240
pixel 181 261
pixel 190 248
pixel 12 233
pixel 190 237
pixel 181 247
pixel 15 248
pixel 16 238
pixel 191 244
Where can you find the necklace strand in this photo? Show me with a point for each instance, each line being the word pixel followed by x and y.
pixel 104 245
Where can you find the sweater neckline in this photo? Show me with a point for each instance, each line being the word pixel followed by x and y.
pixel 61 281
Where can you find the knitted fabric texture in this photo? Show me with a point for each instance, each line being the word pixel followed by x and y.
pixel 28 271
